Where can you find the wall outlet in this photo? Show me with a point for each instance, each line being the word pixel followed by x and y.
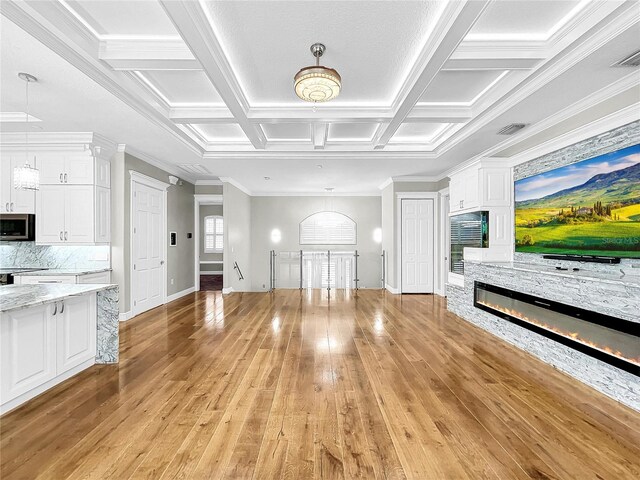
pixel 172 281
pixel 264 286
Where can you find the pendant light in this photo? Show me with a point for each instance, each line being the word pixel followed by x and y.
pixel 27 177
pixel 317 83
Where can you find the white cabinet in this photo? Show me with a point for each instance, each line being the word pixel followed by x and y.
pixel 76 331
pixel 13 200
pixel 68 169
pixel 485 184
pixel 100 277
pixel 43 345
pixel 28 353
pixel 73 214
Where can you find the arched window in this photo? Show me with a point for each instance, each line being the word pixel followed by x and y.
pixel 327 228
pixel 213 234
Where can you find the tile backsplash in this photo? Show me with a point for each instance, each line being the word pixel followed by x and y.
pixel 28 254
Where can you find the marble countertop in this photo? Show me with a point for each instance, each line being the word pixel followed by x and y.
pixel 62 271
pixel 13 297
pixel 616 276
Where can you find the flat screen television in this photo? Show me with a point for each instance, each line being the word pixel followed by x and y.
pixel 589 208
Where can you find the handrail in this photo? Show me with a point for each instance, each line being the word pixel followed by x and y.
pixel 384 268
pixel 237 269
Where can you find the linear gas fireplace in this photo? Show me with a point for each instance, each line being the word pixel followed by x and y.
pixel 612 340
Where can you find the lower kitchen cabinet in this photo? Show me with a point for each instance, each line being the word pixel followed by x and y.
pixel 43 345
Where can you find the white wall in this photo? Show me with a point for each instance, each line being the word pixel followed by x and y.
pixel 286 213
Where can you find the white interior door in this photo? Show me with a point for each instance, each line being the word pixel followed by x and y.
pixel 417 246
pixel 148 276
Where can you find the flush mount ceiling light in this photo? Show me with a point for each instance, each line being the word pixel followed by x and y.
pixel 317 83
pixel 27 177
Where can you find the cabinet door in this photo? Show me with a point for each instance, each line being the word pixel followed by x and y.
pixel 471 191
pixel 78 170
pixel 50 211
pixel 76 331
pixel 456 193
pixel 44 279
pixel 6 184
pixel 103 215
pixel 28 350
pixel 100 277
pixel 79 214
pixel 22 201
pixel 51 169
pixel 496 187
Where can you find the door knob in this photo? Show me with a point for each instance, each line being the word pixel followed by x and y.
pixel 60 235
pixel 60 178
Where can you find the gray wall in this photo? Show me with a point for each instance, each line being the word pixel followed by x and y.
pixel 209 189
pixel 237 238
pixel 390 221
pixel 205 211
pixel 286 213
pixel 180 212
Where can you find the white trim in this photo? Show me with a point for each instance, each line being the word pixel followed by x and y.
pixel 211 273
pixel 333 194
pixel 208 199
pixel 137 177
pixel 227 290
pixel 182 293
pixel 399 197
pixel 201 199
pixel 124 316
pixel 209 182
pixel 211 262
pixel 443 247
pixel 395 291
pixel 240 187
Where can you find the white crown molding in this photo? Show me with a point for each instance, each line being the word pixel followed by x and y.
pixel 416 178
pixel 85 142
pixel 45 21
pixel 17 117
pixel 625 83
pixel 239 186
pixel 385 184
pixel 547 71
pixel 333 194
pixel 209 182
pixel 602 125
pixel 167 167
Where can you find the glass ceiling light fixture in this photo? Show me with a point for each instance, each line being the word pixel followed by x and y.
pixel 317 83
pixel 26 177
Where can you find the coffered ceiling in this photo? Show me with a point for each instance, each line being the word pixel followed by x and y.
pixel 426 84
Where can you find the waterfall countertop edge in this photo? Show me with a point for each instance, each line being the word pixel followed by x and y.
pixel 14 297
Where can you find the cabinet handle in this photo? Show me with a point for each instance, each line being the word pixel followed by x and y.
pixel 60 234
pixel 60 178
pixel 65 178
pixel 7 207
pixel 62 303
pixel 55 311
pixel 12 206
pixel 65 236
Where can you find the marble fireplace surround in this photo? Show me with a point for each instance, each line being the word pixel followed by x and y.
pixel 609 294
pixel 609 289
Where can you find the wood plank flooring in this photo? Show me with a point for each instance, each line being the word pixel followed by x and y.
pixel 296 386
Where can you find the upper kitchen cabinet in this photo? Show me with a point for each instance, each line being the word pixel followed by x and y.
pixel 74 170
pixel 484 184
pixel 12 199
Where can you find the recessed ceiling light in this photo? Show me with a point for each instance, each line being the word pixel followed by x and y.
pixel 267 178
pixel 329 189
pixel 319 166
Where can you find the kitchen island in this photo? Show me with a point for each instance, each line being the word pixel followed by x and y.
pixel 50 332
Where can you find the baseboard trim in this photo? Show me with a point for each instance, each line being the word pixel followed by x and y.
pixel 177 295
pixel 395 291
pixel 227 290
pixel 210 273
pixel 124 316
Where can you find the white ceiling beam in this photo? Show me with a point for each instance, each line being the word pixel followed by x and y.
pixel 156 54
pixel 193 25
pixel 458 19
pixel 497 55
pixel 56 28
pixel 320 131
pixel 201 115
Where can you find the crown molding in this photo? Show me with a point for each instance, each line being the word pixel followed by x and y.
pixel 17 117
pixel 209 182
pixel 548 71
pixel 597 127
pixel 239 186
pixel 333 194
pixel 167 167
pixel 85 142
pixel 409 178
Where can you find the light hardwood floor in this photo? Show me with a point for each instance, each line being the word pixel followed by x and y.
pixel 291 385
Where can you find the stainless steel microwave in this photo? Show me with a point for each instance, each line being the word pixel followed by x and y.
pixel 17 227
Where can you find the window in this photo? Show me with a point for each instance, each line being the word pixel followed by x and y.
pixel 327 228
pixel 213 234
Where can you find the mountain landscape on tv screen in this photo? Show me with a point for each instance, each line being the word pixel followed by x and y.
pixel 599 216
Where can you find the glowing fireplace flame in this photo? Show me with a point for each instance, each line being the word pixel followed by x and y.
pixel 573 335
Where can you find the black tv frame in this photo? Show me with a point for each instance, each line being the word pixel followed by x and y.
pixel 582 258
